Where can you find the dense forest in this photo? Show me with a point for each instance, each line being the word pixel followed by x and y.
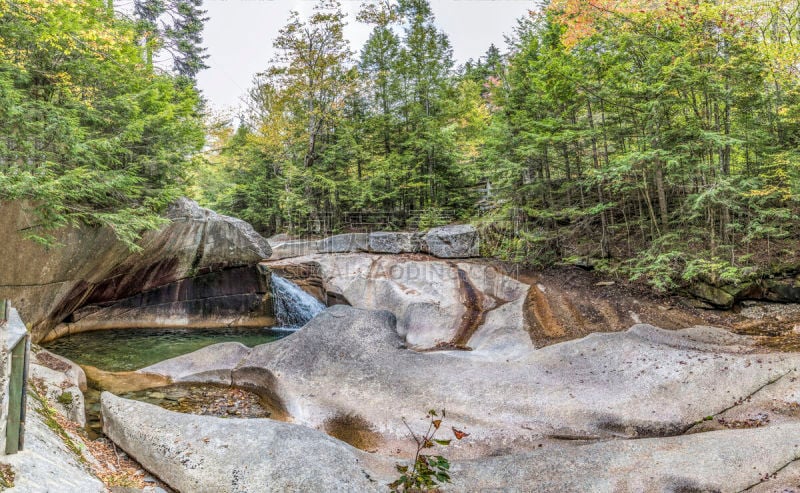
pixel 653 140
pixel 90 131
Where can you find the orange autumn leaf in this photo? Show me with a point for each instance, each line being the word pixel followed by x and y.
pixel 459 434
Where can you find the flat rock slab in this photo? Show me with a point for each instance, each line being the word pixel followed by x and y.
pixel 207 454
pixel 723 461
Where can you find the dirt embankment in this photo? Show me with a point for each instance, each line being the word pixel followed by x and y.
pixel 569 302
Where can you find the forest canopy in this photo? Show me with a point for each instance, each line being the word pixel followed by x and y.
pixel 653 139
pixel 90 131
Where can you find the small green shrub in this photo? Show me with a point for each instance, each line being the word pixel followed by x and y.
pixel 65 398
pixel 427 471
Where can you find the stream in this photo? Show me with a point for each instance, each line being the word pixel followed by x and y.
pixel 121 350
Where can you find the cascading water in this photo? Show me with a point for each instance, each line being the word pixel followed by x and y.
pixel 293 306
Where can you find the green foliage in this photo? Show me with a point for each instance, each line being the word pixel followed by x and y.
pixel 427 471
pixel 49 414
pixel 715 271
pixel 90 134
pixel 65 398
pixel 655 141
pixel 395 131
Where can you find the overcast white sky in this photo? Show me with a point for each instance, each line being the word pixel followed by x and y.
pixel 239 35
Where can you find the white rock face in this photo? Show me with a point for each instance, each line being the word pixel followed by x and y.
pixel 435 301
pixel 641 383
pixel 46 465
pixel 647 384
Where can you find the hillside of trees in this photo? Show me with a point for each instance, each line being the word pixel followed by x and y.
pixel 90 131
pixel 656 140
pixel 652 140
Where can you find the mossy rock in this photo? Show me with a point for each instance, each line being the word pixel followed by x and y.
pixel 715 296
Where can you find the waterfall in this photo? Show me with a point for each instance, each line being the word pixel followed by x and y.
pixel 293 306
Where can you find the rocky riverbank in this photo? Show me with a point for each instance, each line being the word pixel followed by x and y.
pixel 591 401
pixel 562 381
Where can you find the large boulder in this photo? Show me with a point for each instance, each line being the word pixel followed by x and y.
pixel 345 243
pixel 455 241
pixel 722 461
pixel 203 453
pixel 394 242
pixel 436 302
pixel 645 382
pixel 293 248
pixel 90 267
pixel 609 412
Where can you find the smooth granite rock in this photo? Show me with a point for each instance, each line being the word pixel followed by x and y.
pixel 645 382
pixel 455 241
pixel 606 413
pixel 345 243
pixel 293 248
pixel 46 465
pixel 435 301
pixel 208 454
pixel 394 242
pixel 91 268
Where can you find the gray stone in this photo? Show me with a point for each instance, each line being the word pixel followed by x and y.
pixel 555 420
pixel 712 295
pixel 205 454
pixel 46 465
pixel 61 391
pixel 645 382
pixel 435 301
pixel 725 461
pixel 394 242
pixel 198 453
pixel 455 241
pixel 345 243
pixel 293 248
pixel 231 297
pixel 210 364
pixel 91 268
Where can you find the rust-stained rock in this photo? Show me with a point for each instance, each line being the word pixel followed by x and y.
pixel 438 303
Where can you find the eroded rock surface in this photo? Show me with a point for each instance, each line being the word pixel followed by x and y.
pixel 203 453
pixel 436 302
pixel 645 382
pixel 609 412
pixel 91 268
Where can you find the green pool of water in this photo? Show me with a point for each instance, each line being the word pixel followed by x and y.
pixel 131 349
